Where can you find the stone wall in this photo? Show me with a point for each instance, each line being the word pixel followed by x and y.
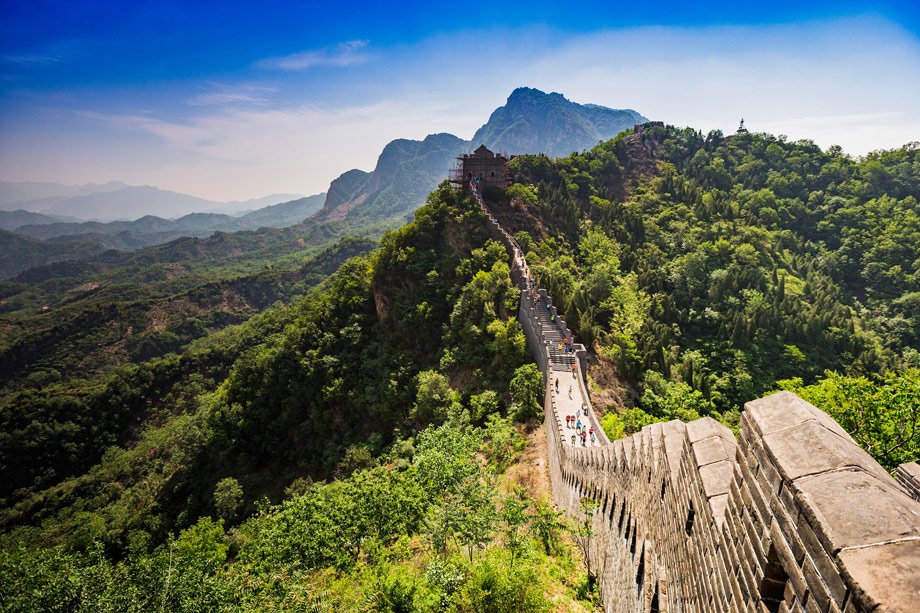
pixel 792 515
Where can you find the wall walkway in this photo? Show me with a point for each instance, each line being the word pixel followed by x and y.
pixel 792 515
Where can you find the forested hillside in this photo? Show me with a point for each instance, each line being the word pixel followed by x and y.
pixel 359 446
pixel 390 369
pixel 707 270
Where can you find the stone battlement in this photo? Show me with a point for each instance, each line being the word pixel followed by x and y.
pixel 794 515
pixel 791 516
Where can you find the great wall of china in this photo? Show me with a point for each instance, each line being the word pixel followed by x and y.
pixel 791 516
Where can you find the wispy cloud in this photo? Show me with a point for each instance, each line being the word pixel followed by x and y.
pixel 31 59
pixel 221 94
pixel 347 53
pixel 233 152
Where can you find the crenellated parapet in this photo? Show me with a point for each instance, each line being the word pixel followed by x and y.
pixel 791 516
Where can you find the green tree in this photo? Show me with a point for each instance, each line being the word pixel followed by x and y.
pixel 547 524
pixel 434 398
pixel 527 392
pixel 483 406
pixel 514 514
pixel 228 498
pixel 502 443
pixel 584 535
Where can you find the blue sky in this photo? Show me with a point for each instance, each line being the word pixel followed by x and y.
pixel 240 99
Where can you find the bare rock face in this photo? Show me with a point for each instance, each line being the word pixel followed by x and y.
pixel 532 121
pixel 343 191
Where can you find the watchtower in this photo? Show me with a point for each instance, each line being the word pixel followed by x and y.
pixel 483 167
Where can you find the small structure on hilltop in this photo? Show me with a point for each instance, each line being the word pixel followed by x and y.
pixel 482 167
pixel 639 128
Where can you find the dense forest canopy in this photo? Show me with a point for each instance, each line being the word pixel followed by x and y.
pixel 357 445
pixel 708 269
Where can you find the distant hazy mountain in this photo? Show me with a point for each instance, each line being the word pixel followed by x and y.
pixel 130 203
pixel 535 122
pixel 10 220
pixel 148 224
pixel 530 122
pixel 241 207
pixel 153 230
pixel 284 214
pixel 13 194
pixel 117 201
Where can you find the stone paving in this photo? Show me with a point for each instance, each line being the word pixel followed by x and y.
pixel 568 400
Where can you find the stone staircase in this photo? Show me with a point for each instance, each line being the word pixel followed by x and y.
pixel 559 358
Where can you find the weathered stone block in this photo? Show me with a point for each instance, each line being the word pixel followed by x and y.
pixel 789 530
pixel 874 510
pixel 788 561
pixel 713 449
pixel 825 566
pixel 908 477
pixel 785 410
pixel 705 427
pixel 719 504
pixel 812 606
pixel 884 577
pixel 760 508
pixel 817 591
pixel 770 475
pixel 810 448
pixel 716 478
pixel 787 497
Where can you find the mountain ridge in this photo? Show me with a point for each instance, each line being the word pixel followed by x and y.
pixel 407 170
pixel 153 229
pixel 10 220
pixel 405 173
pixel 532 121
pixel 117 201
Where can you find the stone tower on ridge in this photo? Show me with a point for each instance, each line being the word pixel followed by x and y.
pixel 482 166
